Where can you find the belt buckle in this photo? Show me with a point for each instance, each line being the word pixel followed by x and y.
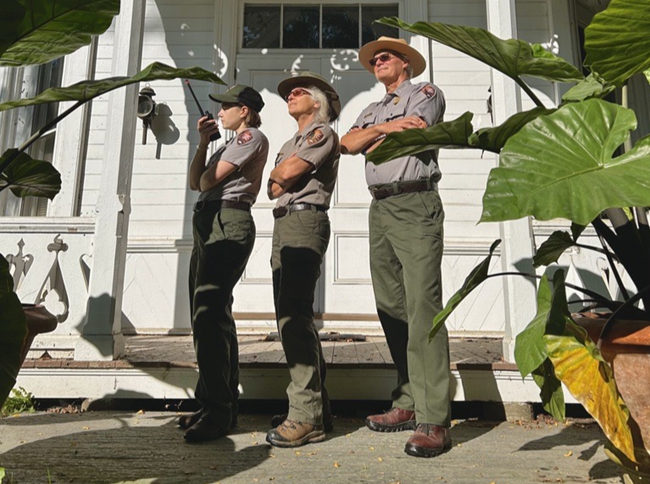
pixel 198 206
pixel 280 212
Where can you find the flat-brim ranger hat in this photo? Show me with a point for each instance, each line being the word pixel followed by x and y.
pixel 383 44
pixel 240 94
pixel 306 79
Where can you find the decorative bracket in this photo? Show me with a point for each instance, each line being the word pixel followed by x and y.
pixel 54 281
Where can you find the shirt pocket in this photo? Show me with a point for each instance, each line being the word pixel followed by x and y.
pixel 395 112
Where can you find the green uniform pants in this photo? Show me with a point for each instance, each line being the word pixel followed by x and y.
pixel 300 240
pixel 223 241
pixel 406 242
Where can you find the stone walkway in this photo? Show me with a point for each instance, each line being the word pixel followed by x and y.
pixel 117 447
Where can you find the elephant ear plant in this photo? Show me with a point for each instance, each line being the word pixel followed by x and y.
pixel 561 163
pixel 34 32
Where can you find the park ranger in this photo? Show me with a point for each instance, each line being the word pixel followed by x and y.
pixel 224 234
pixel 406 242
pixel 303 181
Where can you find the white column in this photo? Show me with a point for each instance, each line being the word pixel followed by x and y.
pixel 71 134
pixel 517 236
pixel 102 331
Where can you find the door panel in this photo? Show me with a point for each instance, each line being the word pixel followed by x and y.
pixel 344 286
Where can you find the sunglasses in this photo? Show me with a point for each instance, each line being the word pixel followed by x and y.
pixel 385 57
pixel 297 92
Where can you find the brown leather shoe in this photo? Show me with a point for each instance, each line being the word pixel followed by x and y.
pixel 294 434
pixel 395 420
pixel 328 422
pixel 428 440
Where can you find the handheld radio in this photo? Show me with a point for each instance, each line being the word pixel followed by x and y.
pixel 216 135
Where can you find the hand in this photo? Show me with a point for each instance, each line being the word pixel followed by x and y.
pixel 410 122
pixel 206 128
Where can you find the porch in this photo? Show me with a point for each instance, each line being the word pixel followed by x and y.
pixel 359 368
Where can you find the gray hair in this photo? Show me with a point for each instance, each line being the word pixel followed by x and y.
pixel 323 113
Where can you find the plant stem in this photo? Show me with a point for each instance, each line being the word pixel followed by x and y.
pixel 32 139
pixel 610 322
pixel 588 292
pixel 603 251
pixel 617 276
pixel 530 93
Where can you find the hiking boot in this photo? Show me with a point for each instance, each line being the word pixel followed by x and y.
pixel 328 422
pixel 395 420
pixel 294 434
pixel 186 421
pixel 428 440
pixel 203 431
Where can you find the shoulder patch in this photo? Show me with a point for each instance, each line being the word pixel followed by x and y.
pixel 428 91
pixel 315 136
pixel 244 137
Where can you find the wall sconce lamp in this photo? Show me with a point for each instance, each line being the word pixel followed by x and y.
pixel 147 109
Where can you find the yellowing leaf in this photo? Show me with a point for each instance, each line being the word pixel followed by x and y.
pixel 336 464
pixel 140 412
pixel 590 380
pixel 568 454
pixel 380 459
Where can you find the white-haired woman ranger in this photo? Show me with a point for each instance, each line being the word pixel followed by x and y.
pixel 224 233
pixel 303 181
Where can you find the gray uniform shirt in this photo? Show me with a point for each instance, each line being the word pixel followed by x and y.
pixel 424 100
pixel 319 145
pixel 248 151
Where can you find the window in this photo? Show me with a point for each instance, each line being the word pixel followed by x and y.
pixel 290 26
pixel 35 80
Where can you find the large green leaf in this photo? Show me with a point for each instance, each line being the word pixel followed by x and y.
pixel 473 280
pixel 580 366
pixel 451 134
pixel 589 88
pixel 530 349
pixel 552 314
pixel 551 393
pixel 51 30
pixel 28 177
pixel 11 16
pixel 514 58
pixel 552 248
pixel 87 90
pixel 617 41
pixel 13 329
pixel 493 139
pixel 561 166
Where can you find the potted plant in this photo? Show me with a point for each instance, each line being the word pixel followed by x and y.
pixel 58 29
pixel 560 164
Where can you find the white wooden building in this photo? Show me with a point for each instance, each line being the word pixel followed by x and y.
pixel 110 254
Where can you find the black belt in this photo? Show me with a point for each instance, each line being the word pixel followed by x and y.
pixel 379 192
pixel 296 207
pixel 219 204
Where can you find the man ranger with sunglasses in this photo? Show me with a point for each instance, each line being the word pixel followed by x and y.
pixel 406 243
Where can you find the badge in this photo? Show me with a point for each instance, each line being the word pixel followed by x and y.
pixel 244 137
pixel 315 136
pixel 396 100
pixel 428 91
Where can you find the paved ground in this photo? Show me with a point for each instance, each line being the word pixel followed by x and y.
pixel 115 447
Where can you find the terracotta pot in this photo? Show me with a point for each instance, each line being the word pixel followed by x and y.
pixel 626 348
pixel 39 320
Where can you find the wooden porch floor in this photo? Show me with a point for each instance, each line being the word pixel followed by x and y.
pixel 260 351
